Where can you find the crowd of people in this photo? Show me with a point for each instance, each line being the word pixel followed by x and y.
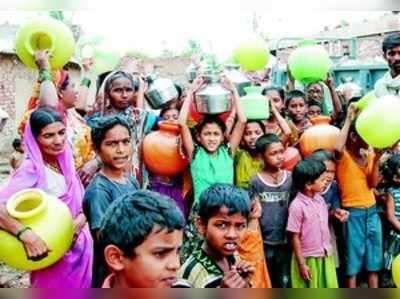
pixel 236 217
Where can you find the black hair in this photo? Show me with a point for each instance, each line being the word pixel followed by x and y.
pixel 391 168
pixel 259 122
pixel 65 83
pixel 265 141
pixel 237 200
pixel 391 41
pixel 179 89
pixel 295 94
pixel 16 143
pixel 307 171
pixel 279 90
pixel 210 119
pixel 105 124
pixel 42 118
pixel 131 218
pixel 314 103
pixel 115 76
pixel 323 155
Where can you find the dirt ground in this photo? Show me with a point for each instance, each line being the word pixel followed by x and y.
pixel 10 278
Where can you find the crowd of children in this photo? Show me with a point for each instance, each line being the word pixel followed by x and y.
pixel 244 221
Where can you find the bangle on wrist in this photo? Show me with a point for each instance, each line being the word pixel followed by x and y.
pixel 21 231
pixel 45 75
pixel 86 82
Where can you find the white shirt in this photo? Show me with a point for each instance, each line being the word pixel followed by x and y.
pixel 56 184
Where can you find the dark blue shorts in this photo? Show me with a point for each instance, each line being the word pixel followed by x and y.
pixel 363 238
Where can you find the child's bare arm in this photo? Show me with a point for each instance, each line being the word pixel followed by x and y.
pixel 282 123
pixel 344 133
pixel 187 139
pixel 374 177
pixel 240 125
pixel 304 270
pixel 390 208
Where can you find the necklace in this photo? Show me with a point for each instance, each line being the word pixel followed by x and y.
pixel 275 178
pixel 54 167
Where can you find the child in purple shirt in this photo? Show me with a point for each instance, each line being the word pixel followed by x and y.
pixel 313 265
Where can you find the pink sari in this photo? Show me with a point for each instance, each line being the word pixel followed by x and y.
pixel 74 270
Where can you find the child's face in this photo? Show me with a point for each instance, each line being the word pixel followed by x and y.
pixel 155 263
pixel 116 150
pixel 330 171
pixel 211 137
pixel 171 115
pixel 224 232
pixel 313 111
pixel 274 155
pixel 276 99
pixel 315 92
pixel 319 185
pixel 252 132
pixel 121 93
pixel 297 109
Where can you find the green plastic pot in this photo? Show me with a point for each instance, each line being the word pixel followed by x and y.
pixel 379 123
pixel 104 57
pixel 45 33
pixel 309 63
pixel 48 217
pixel 252 55
pixel 254 104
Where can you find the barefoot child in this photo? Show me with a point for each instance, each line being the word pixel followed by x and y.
pixel 112 140
pixel 224 212
pixel 272 186
pixel 357 178
pixel 313 265
pixel 140 238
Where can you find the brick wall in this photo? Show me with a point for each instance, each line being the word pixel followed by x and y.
pixel 10 71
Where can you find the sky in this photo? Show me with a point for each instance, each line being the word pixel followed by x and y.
pixel 151 26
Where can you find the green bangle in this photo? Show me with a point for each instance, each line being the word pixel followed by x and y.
pixel 86 82
pixel 21 231
pixel 45 75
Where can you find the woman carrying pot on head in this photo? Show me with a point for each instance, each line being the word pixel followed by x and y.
pixel 124 96
pixel 57 90
pixel 49 166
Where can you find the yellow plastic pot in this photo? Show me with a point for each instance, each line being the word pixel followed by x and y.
pixel 366 100
pixel 396 271
pixel 104 57
pixel 309 63
pixel 43 33
pixel 252 55
pixel 379 123
pixel 48 217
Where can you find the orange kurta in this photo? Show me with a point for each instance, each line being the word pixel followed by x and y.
pixel 252 250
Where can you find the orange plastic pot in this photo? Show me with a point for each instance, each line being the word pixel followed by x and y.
pixel 320 136
pixel 292 157
pixel 161 151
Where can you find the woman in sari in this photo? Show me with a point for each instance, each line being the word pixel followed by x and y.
pixel 55 89
pixel 49 166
